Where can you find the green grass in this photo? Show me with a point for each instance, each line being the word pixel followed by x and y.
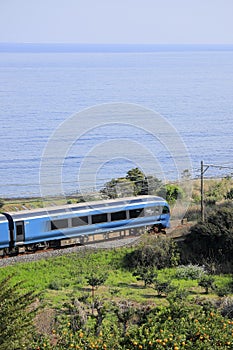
pixel 59 278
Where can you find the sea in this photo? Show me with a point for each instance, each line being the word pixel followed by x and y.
pixel 116 101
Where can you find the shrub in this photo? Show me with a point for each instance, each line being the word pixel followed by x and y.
pixel 171 193
pixel 55 285
pixel 145 274
pixel 189 272
pixel 163 287
pixel 153 252
pixel 226 307
pixel 1 203
pixel 207 282
pixel 210 241
pixel 179 325
pixel 229 194
pixel 222 291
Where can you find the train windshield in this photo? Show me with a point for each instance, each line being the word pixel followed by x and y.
pixel 166 210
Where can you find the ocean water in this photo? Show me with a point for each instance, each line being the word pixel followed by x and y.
pixel 191 89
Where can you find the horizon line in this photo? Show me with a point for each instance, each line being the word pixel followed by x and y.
pixel 105 47
pixel 107 43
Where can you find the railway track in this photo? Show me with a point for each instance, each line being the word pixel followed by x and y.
pixel 48 253
pixel 113 243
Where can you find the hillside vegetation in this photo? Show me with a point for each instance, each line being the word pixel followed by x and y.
pixel 216 192
pixel 156 295
pixel 145 297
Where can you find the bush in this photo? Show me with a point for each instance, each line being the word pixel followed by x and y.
pixel 222 291
pixel 229 194
pixel 163 287
pixel 171 193
pixel 1 203
pixel 206 282
pixel 145 274
pixel 226 307
pixel 158 252
pixel 189 272
pixel 55 285
pixel 179 325
pixel 210 241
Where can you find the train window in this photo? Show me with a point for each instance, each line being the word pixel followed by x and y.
pixel 19 225
pixel 98 218
pixel 134 213
pixel 59 224
pixel 153 211
pixel 119 215
pixel 165 210
pixel 79 221
pixel 158 209
pixel 149 211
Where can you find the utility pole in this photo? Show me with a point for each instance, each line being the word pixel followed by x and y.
pixel 205 167
pixel 202 192
pixel 202 189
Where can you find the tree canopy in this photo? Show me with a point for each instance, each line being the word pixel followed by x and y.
pixel 212 240
pixel 134 183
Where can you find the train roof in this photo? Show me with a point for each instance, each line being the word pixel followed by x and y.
pixel 84 206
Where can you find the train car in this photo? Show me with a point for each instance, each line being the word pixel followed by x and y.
pixel 59 226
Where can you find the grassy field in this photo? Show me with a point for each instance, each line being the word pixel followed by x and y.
pixel 57 279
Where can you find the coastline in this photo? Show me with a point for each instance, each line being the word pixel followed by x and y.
pixel 211 186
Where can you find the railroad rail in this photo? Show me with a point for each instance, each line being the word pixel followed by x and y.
pixel 114 242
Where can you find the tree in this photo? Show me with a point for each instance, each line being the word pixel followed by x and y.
pixel 136 176
pixel 124 312
pixel 143 184
pixel 133 184
pixel 212 240
pixel 163 287
pixel 95 280
pixel 145 274
pixel 16 316
pixel 186 175
pixel 171 193
pixel 207 282
pixel 1 203
pixel 109 189
pixel 152 184
pixel 117 188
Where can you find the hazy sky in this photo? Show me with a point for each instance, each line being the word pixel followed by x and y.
pixel 117 21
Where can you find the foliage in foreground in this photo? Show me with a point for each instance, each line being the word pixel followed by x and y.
pixel 85 322
pixel 16 318
pixel 180 325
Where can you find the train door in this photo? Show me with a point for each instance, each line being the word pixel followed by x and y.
pixel 19 231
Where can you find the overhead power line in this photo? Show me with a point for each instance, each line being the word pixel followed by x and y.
pixel 203 170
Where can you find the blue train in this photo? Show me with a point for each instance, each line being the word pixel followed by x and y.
pixel 80 223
